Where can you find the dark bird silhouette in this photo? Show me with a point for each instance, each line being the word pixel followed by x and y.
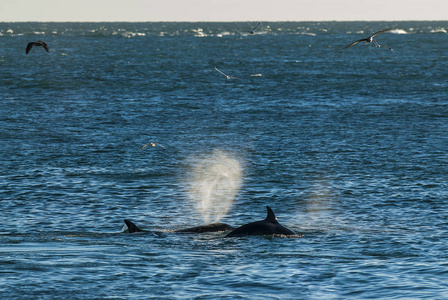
pixel 370 39
pixel 253 30
pixel 39 43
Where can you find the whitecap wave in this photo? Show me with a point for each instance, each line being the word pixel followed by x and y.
pixel 225 33
pixel 199 32
pixel 398 31
pixel 307 33
pixel 438 30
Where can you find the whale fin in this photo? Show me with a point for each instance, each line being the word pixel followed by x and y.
pixel 271 216
pixel 131 227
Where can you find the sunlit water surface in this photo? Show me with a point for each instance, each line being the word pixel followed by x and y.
pixel 349 147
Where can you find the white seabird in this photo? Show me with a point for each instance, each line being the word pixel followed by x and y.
pixel 153 145
pixel 227 76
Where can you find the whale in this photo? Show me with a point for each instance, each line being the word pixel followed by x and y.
pixel 131 227
pixel 214 227
pixel 268 226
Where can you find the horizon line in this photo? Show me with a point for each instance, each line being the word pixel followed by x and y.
pixel 245 21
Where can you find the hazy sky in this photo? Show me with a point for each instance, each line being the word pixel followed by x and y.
pixel 221 10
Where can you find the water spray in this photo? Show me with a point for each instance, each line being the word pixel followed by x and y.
pixel 215 182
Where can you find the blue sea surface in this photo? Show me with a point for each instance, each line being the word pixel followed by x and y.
pixel 349 147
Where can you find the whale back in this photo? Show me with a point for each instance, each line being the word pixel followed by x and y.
pixel 214 227
pixel 268 226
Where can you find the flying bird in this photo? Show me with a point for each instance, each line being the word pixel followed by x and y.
pixel 227 76
pixel 253 30
pixel 39 43
pixel 370 39
pixel 153 145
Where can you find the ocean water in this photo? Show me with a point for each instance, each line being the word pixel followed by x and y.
pixel 349 147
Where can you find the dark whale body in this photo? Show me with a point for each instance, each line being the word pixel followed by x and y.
pixel 268 226
pixel 214 227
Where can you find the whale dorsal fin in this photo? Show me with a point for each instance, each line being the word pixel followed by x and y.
pixel 271 216
pixel 132 227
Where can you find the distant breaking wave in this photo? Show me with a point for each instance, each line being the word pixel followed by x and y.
pixel 438 30
pixel 214 29
pixel 399 31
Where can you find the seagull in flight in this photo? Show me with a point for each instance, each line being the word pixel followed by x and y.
pixel 227 76
pixel 370 39
pixel 152 144
pixel 253 30
pixel 39 43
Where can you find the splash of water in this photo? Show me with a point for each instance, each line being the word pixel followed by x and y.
pixel 215 181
